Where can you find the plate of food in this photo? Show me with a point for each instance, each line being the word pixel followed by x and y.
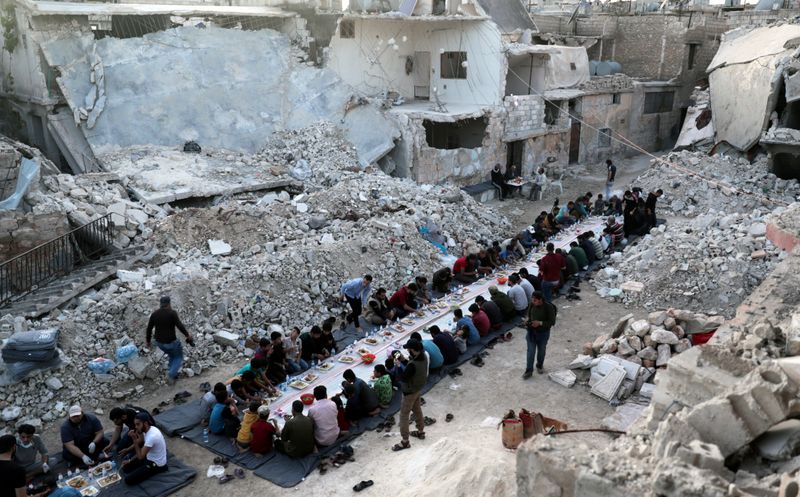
pixel 420 314
pixel 325 366
pixel 347 359
pixel 298 384
pixel 310 377
pixel 363 351
pixel 89 491
pixel 98 470
pixel 371 341
pixel 78 482
pixel 109 480
pixel 387 333
pixel 407 321
pixel 400 327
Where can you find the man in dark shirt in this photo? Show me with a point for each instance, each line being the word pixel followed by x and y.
pixel 492 311
pixel 612 170
pixel 82 436
pixel 446 344
pixel 499 181
pixel 650 207
pixel 12 475
pixel 165 320
pixel 297 436
pixel 540 318
pixel 312 345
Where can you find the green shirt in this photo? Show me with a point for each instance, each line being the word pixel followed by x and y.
pixel 383 388
pixel 504 303
pixel 572 264
pixel 543 313
pixel 580 255
pixel 298 436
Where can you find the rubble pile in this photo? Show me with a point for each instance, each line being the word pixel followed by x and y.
pixel 87 197
pixel 689 195
pixel 708 264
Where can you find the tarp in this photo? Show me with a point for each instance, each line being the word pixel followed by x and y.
pixel 28 170
pixel 567 68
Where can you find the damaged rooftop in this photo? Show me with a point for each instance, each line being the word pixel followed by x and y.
pixel 253 160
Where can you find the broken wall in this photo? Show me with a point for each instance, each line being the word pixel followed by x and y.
pixel 601 112
pixel 224 88
pixel 22 231
pixel 369 61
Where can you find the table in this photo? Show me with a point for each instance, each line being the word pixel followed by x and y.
pixel 433 315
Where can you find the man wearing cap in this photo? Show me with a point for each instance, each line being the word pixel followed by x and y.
pixel 82 436
pixel 414 377
pixel 165 320
pixel 12 475
pixel 540 318
pixel 151 451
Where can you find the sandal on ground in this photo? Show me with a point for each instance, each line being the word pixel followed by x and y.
pixel 380 427
pixel 362 485
pixel 401 446
pixel 418 434
pixel 225 479
pixel 448 418
pixel 429 421
pixel 421 401
pixel 239 473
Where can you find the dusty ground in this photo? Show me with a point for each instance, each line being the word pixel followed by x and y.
pixel 458 458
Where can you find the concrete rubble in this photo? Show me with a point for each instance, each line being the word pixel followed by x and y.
pixel 279 271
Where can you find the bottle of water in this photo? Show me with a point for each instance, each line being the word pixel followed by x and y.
pixel 205 435
pixel 60 480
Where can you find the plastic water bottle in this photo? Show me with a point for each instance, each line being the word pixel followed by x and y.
pixel 205 435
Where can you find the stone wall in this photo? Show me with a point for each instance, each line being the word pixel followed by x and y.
pixel 21 231
pixel 9 167
pixel 525 116
pixel 598 112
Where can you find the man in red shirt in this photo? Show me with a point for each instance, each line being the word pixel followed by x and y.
pixel 465 269
pixel 550 267
pixel 480 320
pixel 403 301
pixel 263 432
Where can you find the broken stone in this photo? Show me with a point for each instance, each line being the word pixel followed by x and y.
pixel 757 229
pixel 565 378
pixel 226 338
pixel 53 383
pixel 624 348
pixel 640 327
pixel 609 347
pixel 635 342
pixel 621 325
pixel 219 247
pixel 664 354
pixel 583 361
pixel 599 342
pixel 11 413
pixel 780 442
pixel 657 318
pixel 664 337
pixel 682 346
pixel 648 353
pixel 130 276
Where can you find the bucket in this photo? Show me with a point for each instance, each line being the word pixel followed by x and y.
pixel 512 433
pixel 701 338
pixel 527 424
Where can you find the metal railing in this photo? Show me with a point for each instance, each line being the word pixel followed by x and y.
pixel 51 260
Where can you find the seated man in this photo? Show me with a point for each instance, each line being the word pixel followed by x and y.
pixel 564 215
pixel 616 232
pixel 491 310
pixel 263 433
pixel 362 401
pixel 51 488
pixel 29 445
pixel 123 419
pixel 264 349
pixel 596 244
pixel 423 294
pixel 324 414
pixel 442 279
pixel 517 295
pixel 580 256
pixel 238 391
pixel 224 419
pixel 446 343
pixel 151 452
pixel 480 320
pixel 473 337
pixel 585 243
pixel 435 358
pixel 297 437
pixel 258 367
pixel 82 436
pixel 379 311
pixel 312 345
pixel 465 269
pixel 512 248
pixel 11 474
pixel 599 205
pixel 499 182
pixel 535 282
pixel 526 239
pixel 504 302
pixel 403 301
pixel 207 401
pixel 329 344
pixel 485 264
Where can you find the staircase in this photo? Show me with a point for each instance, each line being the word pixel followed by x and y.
pixel 64 289
pixel 45 277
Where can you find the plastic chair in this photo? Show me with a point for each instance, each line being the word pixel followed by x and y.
pixel 557 183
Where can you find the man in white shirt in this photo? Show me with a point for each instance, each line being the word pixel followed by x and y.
pixel 527 286
pixel 324 414
pixel 151 452
pixel 538 185
pixel 517 294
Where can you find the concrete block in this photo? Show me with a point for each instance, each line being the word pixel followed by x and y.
pixel 705 456
pixel 226 338
pixel 607 387
pixel 664 354
pixel 657 318
pixel 621 325
pixel 141 367
pixel 780 442
pixel 664 337
pixel 790 485
pixel 583 361
pixel 624 416
pixel 565 377
pixel 53 383
pixel 608 362
pixel 219 247
pixel 130 276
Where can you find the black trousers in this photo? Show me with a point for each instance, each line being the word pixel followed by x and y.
pixel 355 305
pixel 140 470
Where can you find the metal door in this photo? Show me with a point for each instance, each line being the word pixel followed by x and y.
pixel 575 142
pixel 422 75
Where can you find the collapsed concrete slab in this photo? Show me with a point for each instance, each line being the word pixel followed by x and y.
pixel 223 88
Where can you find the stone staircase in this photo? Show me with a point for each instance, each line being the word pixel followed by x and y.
pixel 61 290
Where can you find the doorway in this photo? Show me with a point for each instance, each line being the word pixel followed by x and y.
pixel 514 157
pixel 575 141
pixel 422 75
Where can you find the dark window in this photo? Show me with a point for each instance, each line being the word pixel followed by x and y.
pixel 466 133
pixel 657 102
pixel 347 28
pixel 551 112
pixel 615 98
pixel 692 54
pixel 453 65
pixel 604 138
pixel 572 66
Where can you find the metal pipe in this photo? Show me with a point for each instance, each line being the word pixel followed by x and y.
pixel 588 430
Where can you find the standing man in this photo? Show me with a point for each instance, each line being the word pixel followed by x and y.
pixel 650 207
pixel 414 378
pixel 612 170
pixel 151 451
pixel 11 474
pixel 541 316
pixel 499 181
pixel 356 293
pixel 550 267
pixel 538 185
pixel 82 436
pixel 165 320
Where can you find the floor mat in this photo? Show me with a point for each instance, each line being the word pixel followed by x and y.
pixel 178 476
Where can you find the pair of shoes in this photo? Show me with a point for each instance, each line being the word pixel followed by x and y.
pixel 225 479
pixel 221 461
pixel 403 445
pixel 362 485
pixel 239 473
pixel 539 370
pixel 526 375
pixel 205 387
pixel 455 372
pixel 477 361
pixel 428 421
